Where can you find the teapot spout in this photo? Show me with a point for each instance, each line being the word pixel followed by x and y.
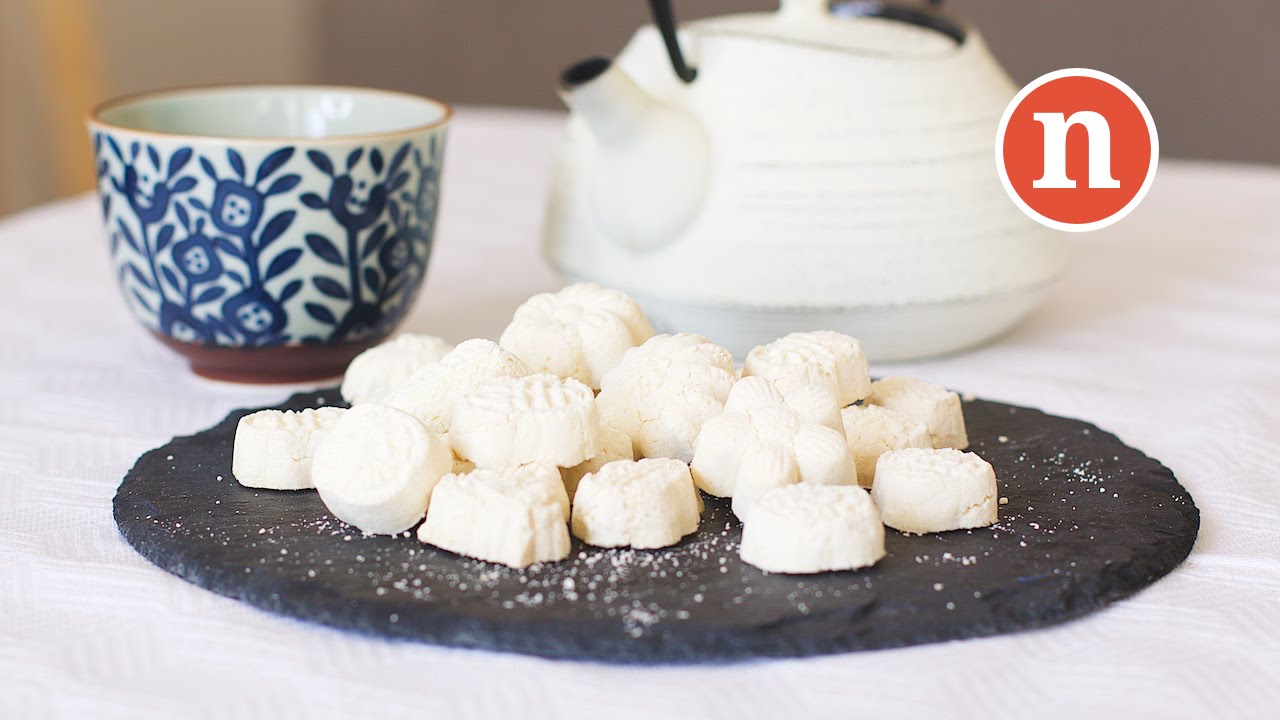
pixel 650 157
pixel 610 102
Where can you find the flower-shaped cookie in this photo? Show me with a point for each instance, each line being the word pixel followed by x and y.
pixel 580 332
pixel 743 453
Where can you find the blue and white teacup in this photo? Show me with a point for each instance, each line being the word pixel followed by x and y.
pixel 270 233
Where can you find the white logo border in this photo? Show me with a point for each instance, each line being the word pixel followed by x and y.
pixel 1146 183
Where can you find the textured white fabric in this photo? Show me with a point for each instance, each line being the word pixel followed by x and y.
pixel 1166 330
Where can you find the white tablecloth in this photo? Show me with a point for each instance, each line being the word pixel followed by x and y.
pixel 1165 330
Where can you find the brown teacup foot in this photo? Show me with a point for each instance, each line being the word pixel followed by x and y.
pixel 296 363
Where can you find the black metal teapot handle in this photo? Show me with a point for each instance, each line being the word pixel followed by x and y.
pixel 926 15
pixel 664 17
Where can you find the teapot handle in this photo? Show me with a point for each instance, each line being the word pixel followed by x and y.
pixel 665 18
pixel 822 7
pixel 928 14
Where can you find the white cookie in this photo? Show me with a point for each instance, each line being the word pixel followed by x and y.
pixel 374 373
pixel 648 503
pixel 816 404
pixel 549 477
pixel 822 456
pixel 753 393
pixel 432 392
pixel 273 449
pixel 511 516
pixel 819 453
pixel 813 403
pixel 766 466
pixel 827 359
pixel 931 404
pixel 376 468
pixel 580 332
pixel 531 419
pixel 614 445
pixel 928 490
pixel 725 439
pixel 663 391
pixel 872 431
pixel 803 528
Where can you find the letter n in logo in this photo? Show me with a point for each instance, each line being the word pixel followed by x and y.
pixel 1077 150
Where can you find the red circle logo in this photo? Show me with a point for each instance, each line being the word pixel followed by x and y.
pixel 1077 150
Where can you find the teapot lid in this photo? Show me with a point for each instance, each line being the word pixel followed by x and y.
pixel 869 27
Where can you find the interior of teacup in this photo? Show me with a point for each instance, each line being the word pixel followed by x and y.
pixel 274 111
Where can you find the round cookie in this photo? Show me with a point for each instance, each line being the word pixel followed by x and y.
pixel 934 405
pixel 531 419
pixel 927 490
pixel 827 359
pixel 273 449
pixel 805 528
pixel 374 373
pixel 872 431
pixel 376 468
pixel 649 503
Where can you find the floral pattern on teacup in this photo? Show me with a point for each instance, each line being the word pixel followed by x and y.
pixel 298 247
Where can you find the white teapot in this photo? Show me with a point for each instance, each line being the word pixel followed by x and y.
pixel 826 166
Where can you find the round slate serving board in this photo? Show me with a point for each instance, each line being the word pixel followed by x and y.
pixel 1088 521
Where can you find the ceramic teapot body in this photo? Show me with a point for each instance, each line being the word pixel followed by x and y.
pixel 818 172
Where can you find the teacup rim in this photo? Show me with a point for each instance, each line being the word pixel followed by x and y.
pixel 94 117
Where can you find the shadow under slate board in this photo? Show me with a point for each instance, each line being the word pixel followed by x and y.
pixel 1088 522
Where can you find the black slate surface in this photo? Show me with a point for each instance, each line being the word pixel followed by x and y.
pixel 1088 521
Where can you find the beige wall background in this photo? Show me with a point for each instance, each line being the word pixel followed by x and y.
pixel 1208 70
